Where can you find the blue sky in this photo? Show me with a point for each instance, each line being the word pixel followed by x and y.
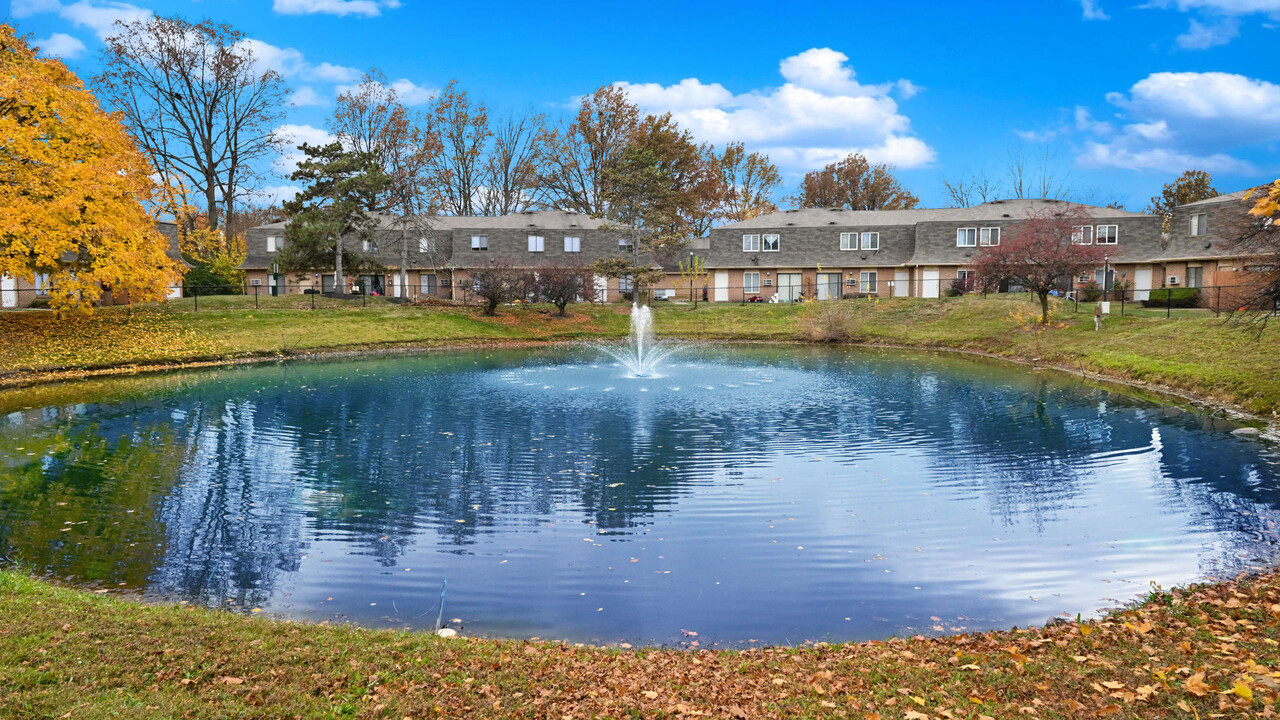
pixel 1124 95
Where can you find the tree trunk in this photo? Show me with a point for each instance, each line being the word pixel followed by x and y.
pixel 404 266
pixel 339 283
pixel 211 199
pixel 1044 308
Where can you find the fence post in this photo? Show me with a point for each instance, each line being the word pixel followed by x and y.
pixel 196 296
pixel 313 300
pixel 1217 300
pixel 1075 298
pixel 1168 302
pixel 255 296
pixel 364 293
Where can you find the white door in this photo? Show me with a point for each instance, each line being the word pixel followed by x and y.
pixel 722 287
pixel 901 283
pixel 602 288
pixel 929 283
pixel 1142 283
pixel 395 285
pixel 789 287
pixel 8 292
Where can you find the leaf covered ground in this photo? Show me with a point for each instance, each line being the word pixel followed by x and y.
pixel 1206 652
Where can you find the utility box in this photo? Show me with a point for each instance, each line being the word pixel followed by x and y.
pixel 1106 307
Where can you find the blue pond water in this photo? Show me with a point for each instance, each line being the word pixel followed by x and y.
pixel 749 495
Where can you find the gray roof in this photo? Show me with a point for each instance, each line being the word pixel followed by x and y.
pixel 1016 209
pixel 1237 195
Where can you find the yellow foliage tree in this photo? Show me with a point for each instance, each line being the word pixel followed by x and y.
pixel 1268 203
pixel 73 188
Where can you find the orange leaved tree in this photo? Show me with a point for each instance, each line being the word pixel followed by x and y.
pixel 74 187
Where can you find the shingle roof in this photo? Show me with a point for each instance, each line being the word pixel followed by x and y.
pixel 1237 195
pixel 994 210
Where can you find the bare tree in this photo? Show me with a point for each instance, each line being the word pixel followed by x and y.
pixel 195 100
pixel 563 284
pixel 370 119
pixel 750 181
pixel 975 189
pixel 578 157
pixel 1035 173
pixel 513 166
pixel 495 284
pixel 457 171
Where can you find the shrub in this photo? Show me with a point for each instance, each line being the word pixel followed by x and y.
pixel 1091 291
pixel 829 322
pixel 200 280
pixel 1173 297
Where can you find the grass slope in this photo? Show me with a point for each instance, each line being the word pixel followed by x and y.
pixel 1202 652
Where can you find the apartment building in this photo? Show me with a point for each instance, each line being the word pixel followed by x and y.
pixel 1201 253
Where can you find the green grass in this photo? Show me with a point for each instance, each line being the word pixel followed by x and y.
pixel 1192 351
pixel 66 653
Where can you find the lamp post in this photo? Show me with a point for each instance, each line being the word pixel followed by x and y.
pixel 691 297
pixel 1106 277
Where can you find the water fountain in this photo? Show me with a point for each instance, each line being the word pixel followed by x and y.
pixel 642 351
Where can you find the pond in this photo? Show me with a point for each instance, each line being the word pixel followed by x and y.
pixel 745 495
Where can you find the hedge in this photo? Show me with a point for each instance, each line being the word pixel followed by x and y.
pixel 1173 297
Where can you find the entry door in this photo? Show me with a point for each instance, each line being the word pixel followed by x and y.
pixel 602 288
pixel 789 287
pixel 722 287
pixel 829 286
pixel 1142 283
pixel 395 284
pixel 429 284
pixel 273 284
pixel 901 283
pixel 8 291
pixel 929 284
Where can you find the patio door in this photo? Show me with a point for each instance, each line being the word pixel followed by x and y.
pixel 429 284
pixel 829 286
pixel 789 287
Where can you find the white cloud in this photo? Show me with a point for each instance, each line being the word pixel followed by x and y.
pixel 908 89
pixel 1037 136
pixel 1177 121
pixel 61 45
pixel 341 8
pixel 276 194
pixel 100 17
pixel 1085 122
pixel 292 64
pixel 406 91
pixel 295 135
pixel 1202 37
pixel 819 115
pixel 328 72
pixel 306 96
pixel 1092 11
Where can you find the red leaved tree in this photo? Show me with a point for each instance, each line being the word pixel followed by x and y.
pixel 1038 252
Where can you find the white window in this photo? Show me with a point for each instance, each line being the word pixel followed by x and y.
pixel 625 245
pixel 989 236
pixel 369 245
pixel 625 284
pixel 1199 223
pixel 255 282
pixel 870 241
pixel 42 283
pixel 1082 235
pixel 848 241
pixel 426 245
pixel 751 282
pixel 966 237
pixel 537 243
pixel 572 244
pixel 1108 234
pixel 750 243
pixel 869 283
pixel 274 243
pixel 479 243
pixel 772 243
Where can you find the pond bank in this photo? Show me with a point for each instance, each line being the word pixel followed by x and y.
pixel 1184 653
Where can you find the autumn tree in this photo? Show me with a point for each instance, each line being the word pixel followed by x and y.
pixel 579 156
pixel 333 206
pixel 563 284
pixel 513 166
pixel 370 119
pixel 1258 236
pixel 1191 186
pixel 749 181
pixel 196 100
pixel 457 170
pixel 1039 252
pixel 74 189
pixel 854 183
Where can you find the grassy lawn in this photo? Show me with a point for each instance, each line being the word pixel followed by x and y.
pixel 1195 653
pixel 1192 351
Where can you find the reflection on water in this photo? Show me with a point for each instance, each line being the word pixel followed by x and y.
pixel 753 495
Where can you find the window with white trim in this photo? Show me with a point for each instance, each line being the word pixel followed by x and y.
pixel 989 236
pixel 750 243
pixel 42 283
pixel 1108 234
pixel 369 245
pixel 870 241
pixel 772 243
pixel 751 282
pixel 849 241
pixel 625 284
pixel 625 245
pixel 572 244
pixel 274 243
pixel 255 282
pixel 869 280
pixel 426 245
pixel 1082 235
pixel 1199 223
pixel 966 237
pixel 537 243
pixel 479 243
